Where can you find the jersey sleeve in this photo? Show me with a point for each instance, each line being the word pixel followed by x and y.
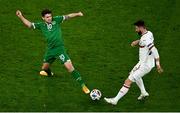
pixel 149 42
pixel 36 25
pixel 59 19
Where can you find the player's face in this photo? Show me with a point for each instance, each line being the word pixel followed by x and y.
pixel 138 30
pixel 47 18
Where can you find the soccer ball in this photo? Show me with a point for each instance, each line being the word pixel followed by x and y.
pixel 95 94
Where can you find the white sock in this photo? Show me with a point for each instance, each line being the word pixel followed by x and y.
pixel 140 84
pixel 122 92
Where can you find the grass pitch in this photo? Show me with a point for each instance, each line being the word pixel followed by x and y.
pixel 99 46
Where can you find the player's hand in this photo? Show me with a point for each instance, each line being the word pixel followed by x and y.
pixel 80 14
pixel 18 13
pixel 134 43
pixel 159 69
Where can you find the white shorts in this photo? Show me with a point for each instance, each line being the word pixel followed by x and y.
pixel 138 72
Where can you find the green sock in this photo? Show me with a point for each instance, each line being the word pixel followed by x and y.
pixel 76 75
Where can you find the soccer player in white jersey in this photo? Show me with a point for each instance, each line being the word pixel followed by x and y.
pixel 148 57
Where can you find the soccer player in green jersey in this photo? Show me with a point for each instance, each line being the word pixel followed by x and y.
pixel 50 27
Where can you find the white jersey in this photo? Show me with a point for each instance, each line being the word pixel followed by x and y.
pixel 145 55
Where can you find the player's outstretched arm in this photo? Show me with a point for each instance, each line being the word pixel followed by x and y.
pixel 134 43
pixel 23 19
pixel 157 58
pixel 72 15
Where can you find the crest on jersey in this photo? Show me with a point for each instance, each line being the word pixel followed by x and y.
pixel 53 22
pixel 141 43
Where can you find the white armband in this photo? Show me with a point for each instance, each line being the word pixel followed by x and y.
pixel 32 24
pixel 155 52
pixel 65 17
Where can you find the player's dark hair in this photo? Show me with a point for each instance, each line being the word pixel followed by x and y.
pixel 45 11
pixel 140 23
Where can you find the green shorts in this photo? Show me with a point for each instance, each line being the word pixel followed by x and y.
pixel 57 52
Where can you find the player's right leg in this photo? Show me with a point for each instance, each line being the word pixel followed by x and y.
pixel 135 75
pixel 49 58
pixel 124 89
pixel 46 71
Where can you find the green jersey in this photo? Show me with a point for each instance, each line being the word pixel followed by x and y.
pixel 51 31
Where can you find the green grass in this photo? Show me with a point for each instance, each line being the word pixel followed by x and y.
pixel 99 46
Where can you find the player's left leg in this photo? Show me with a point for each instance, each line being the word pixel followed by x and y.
pixel 141 86
pixel 76 75
pixel 69 66
pixel 140 83
pixel 138 72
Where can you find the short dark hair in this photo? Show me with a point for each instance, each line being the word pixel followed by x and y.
pixel 140 23
pixel 45 11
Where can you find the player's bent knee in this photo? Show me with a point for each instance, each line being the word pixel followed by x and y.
pixel 69 66
pixel 128 82
pixel 70 69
